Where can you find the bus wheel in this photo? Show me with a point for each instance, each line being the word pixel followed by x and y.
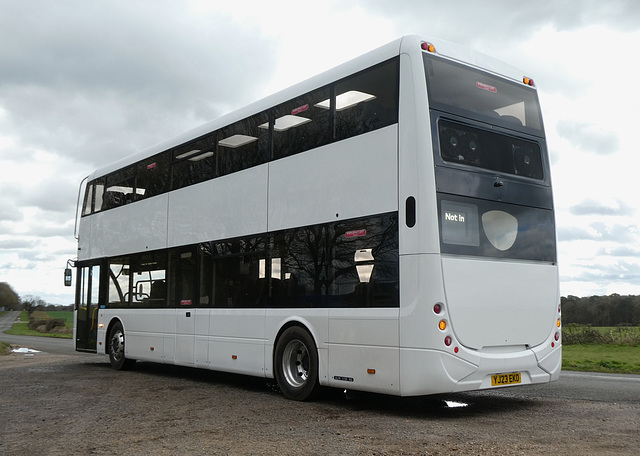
pixel 296 364
pixel 116 349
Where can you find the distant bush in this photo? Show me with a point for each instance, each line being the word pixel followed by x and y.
pixel 46 325
pixel 573 334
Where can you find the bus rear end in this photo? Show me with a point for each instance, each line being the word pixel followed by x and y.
pixel 489 293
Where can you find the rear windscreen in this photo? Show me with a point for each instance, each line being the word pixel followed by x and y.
pixel 469 92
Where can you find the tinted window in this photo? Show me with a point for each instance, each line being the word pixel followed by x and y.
pixel 207 277
pixel 239 273
pixel 88 199
pixel 346 264
pixel 302 124
pixel 184 277
pixel 119 188
pixel 98 198
pixel 148 279
pixel 469 92
pixel 367 101
pixel 243 144
pixel 119 275
pixel 194 162
pixel 471 226
pixel 152 176
pixel 485 149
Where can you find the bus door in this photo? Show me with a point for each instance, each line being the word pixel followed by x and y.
pixel 87 305
pixel 186 297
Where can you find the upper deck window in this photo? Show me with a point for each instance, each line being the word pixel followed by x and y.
pixel 476 94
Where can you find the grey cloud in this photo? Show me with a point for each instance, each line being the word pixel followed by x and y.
pixel 588 137
pixel 468 19
pixel 572 233
pixel 102 81
pixel 591 207
pixel 8 211
pixel 621 251
pixel 617 233
pixel 17 244
pixel 620 271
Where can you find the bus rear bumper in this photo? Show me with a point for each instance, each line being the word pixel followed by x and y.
pixel 426 372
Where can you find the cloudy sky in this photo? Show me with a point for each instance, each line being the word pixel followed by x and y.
pixel 83 83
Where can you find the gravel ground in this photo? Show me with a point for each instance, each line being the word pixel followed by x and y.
pixel 56 404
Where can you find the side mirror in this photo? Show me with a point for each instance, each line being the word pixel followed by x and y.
pixel 67 277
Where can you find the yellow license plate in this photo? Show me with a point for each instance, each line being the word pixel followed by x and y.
pixel 506 379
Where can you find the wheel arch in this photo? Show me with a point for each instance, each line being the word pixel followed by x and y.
pixel 283 327
pixel 110 326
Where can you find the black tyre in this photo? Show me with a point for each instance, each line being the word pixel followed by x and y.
pixel 115 348
pixel 296 364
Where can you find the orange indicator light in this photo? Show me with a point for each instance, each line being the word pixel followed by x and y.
pixel 558 323
pixel 528 81
pixel 234 356
pixel 442 325
pixel 371 371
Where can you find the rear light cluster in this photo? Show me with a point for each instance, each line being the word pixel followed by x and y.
pixel 428 47
pixel 443 325
pixel 558 333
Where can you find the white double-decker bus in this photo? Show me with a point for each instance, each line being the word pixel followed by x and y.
pixel 385 226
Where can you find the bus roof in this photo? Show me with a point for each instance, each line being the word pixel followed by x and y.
pixel 406 44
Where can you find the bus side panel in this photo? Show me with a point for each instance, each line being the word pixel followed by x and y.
pixel 229 206
pixel 237 340
pixel 85 239
pixel 363 349
pixel 348 179
pixel 130 228
pixel 420 289
pixel 146 332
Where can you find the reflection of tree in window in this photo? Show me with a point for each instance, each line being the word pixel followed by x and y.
pixel 243 144
pixel 302 124
pixel 238 281
pixel 184 277
pixel 367 101
pixel 194 162
pixel 152 176
pixel 319 264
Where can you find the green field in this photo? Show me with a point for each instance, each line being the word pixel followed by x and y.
pixel 601 349
pixel 619 359
pixel 21 328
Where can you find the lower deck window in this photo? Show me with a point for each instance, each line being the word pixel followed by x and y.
pixel 351 263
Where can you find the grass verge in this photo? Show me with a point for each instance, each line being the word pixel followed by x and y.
pixel 615 359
